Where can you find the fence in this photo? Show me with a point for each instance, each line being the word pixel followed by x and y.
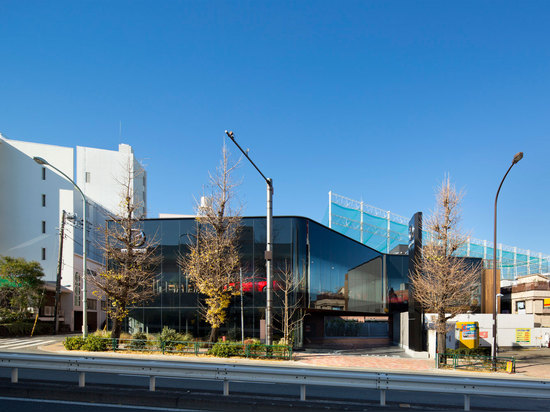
pixel 475 362
pixel 278 375
pixel 383 230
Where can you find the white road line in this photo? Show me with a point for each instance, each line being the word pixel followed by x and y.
pixel 17 342
pixel 109 405
pixel 25 344
pixel 2 341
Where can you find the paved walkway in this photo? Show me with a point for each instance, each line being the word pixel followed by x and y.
pixel 531 363
pixel 365 362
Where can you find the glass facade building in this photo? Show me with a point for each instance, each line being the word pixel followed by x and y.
pixel 346 289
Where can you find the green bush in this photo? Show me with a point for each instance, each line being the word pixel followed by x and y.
pixel 170 337
pixel 24 328
pixel 187 337
pixel 91 343
pixel 479 351
pixel 95 344
pixel 139 340
pixel 73 342
pixel 225 350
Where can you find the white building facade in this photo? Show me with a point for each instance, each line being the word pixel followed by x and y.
pixel 33 198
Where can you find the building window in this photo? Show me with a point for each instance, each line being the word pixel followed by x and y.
pixel 92 304
pixel 43 200
pixel 43 226
pixel 43 253
pixel 76 288
pixel 88 177
pixel 104 305
pixel 43 173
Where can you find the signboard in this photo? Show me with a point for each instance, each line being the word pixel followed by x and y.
pixel 523 335
pixel 546 303
pixel 468 334
pixel 469 331
pixel 484 334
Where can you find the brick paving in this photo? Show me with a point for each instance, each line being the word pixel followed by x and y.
pixel 366 362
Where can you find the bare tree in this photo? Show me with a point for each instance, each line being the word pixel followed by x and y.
pixel 213 259
pixel 129 276
pixel 444 283
pixel 288 291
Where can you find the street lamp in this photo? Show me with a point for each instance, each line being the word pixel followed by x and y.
pixel 516 159
pixel 44 162
pixel 268 250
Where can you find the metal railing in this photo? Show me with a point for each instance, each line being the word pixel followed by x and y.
pixel 475 362
pixel 280 375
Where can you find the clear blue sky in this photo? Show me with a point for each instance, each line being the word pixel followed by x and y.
pixel 375 100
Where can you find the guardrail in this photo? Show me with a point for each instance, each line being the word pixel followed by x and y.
pixel 282 375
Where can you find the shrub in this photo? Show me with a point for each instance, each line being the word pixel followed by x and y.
pixel 102 333
pixel 73 342
pixel 139 340
pixel 479 351
pixel 186 337
pixel 24 328
pixel 95 344
pixel 225 350
pixel 170 337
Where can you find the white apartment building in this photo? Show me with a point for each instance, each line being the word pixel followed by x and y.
pixel 32 200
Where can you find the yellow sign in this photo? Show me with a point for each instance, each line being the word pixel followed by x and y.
pixel 546 303
pixel 467 334
pixel 523 335
pixel 509 366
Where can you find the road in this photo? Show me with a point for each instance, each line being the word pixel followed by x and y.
pixel 290 393
pixel 42 405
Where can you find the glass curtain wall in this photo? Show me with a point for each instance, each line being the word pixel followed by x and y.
pixel 318 258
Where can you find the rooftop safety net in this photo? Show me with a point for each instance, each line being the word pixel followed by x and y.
pixel 383 230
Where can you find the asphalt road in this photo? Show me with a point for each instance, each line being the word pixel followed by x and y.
pixel 287 392
pixel 42 405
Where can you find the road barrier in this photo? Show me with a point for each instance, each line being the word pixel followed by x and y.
pixel 282 375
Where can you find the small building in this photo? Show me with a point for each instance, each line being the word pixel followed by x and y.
pixel 531 295
pixel 33 198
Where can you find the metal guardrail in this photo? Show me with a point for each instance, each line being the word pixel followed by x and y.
pixel 282 375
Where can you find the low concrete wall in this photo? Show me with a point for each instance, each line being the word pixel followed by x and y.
pixel 348 343
pixel 511 329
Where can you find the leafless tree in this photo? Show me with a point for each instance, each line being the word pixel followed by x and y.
pixel 129 276
pixel 444 283
pixel 288 290
pixel 213 259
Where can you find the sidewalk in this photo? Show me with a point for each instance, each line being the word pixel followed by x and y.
pixel 532 363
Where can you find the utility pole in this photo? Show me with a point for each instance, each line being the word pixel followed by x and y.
pixel 59 266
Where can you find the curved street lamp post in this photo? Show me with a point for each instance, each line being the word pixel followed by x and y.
pixel 269 241
pixel 44 162
pixel 516 159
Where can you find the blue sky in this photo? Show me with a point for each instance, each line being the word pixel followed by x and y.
pixel 372 100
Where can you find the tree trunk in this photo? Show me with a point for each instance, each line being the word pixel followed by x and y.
pixel 214 335
pixel 117 328
pixel 441 336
